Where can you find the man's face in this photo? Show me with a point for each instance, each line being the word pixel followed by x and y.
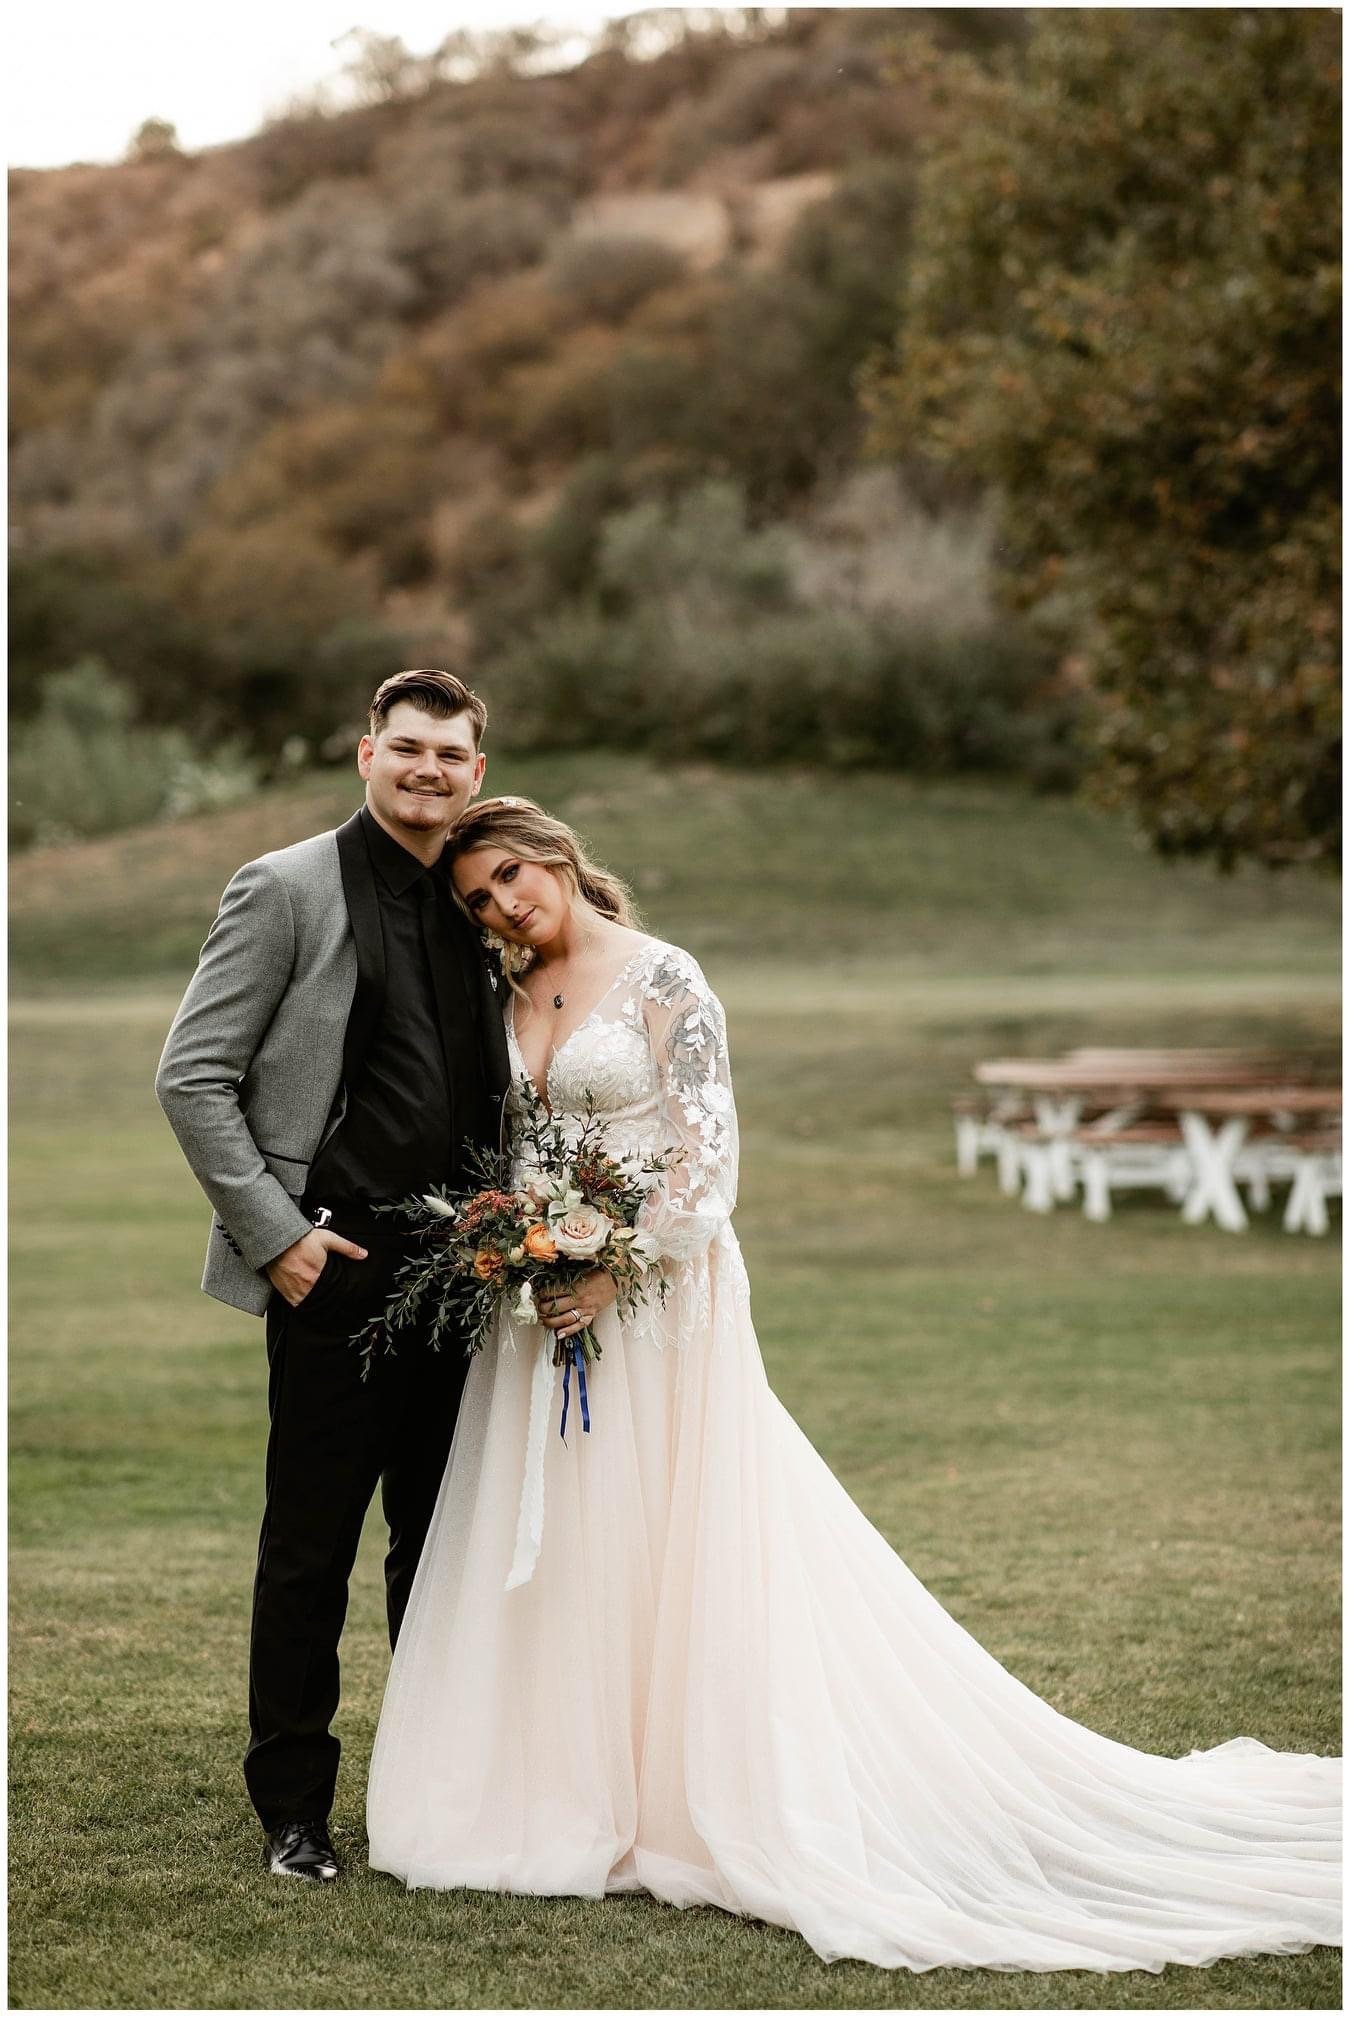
pixel 421 771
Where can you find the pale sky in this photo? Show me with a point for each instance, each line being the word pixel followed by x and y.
pixel 81 75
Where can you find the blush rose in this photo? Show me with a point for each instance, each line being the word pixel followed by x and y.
pixel 582 1231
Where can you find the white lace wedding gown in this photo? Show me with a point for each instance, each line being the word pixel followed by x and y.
pixel 710 1677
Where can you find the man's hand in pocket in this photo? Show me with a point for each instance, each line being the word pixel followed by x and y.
pixel 297 1268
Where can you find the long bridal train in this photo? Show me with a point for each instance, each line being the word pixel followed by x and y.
pixel 715 1680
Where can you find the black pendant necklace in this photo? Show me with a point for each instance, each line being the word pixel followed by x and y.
pixel 560 998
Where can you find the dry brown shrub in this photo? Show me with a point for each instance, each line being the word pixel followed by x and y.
pixel 290 153
pixel 457 363
pixel 360 477
pixel 278 572
pixel 745 103
pixel 679 315
pixel 560 407
pixel 606 276
pixel 480 550
pixel 510 323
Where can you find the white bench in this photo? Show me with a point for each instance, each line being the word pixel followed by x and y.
pixel 1142 1156
pixel 984 1128
pixel 1315 1177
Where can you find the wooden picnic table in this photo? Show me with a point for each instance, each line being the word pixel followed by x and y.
pixel 1215 1123
pixel 1195 1084
pixel 1059 1090
pixel 1258 1100
pixel 1068 1076
pixel 1188 1054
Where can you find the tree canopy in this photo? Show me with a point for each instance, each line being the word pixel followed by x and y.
pixel 1122 313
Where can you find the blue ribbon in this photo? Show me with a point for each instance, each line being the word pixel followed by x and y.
pixel 575 1356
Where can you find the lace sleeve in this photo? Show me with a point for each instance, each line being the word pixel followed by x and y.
pixel 687 1030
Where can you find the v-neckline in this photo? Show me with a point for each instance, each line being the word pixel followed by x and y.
pixel 555 1053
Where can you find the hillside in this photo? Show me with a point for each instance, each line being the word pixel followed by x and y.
pixel 549 377
pixel 886 881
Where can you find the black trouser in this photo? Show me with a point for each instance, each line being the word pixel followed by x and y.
pixel 332 1437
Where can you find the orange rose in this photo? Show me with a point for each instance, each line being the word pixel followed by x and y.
pixel 487 1262
pixel 540 1244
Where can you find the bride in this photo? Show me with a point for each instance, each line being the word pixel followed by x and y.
pixel 672 1654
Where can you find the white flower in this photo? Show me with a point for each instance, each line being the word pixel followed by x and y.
pixel 437 1205
pixel 536 1189
pixel 524 1306
pixel 563 1199
pixel 582 1231
pixel 515 1254
pixel 643 1246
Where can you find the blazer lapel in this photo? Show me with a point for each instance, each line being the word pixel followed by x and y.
pixel 363 910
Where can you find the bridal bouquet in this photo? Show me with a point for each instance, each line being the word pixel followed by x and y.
pixel 570 1208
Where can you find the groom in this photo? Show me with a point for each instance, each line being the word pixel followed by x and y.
pixel 339 1047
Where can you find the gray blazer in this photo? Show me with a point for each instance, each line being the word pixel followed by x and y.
pixel 266 1040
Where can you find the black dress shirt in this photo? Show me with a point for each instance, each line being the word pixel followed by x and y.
pixel 420 1091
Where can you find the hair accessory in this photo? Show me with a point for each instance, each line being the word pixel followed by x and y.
pixel 514 958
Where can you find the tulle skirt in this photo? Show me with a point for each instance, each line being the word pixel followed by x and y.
pixel 715 1681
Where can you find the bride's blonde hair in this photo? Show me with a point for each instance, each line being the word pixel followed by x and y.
pixel 524 829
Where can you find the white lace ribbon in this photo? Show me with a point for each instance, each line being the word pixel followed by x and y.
pixel 530 1520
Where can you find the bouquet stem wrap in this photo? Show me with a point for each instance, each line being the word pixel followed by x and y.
pixel 574 1355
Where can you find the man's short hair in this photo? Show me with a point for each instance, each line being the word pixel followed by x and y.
pixel 435 692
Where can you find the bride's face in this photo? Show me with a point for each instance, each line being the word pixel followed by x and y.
pixel 519 900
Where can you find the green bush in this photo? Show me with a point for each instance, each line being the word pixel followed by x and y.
pixel 656 395
pixel 84 766
pixel 693 642
pixel 698 551
pixel 576 679
pixel 283 683
pixel 67 606
pixel 565 549
pixel 824 687
pixel 448 241
pixel 978 701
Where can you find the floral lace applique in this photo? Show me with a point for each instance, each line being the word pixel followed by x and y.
pixel 687 1030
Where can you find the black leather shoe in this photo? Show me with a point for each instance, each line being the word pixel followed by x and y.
pixel 301 1850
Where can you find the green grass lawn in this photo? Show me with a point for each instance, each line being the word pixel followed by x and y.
pixel 1110 1451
